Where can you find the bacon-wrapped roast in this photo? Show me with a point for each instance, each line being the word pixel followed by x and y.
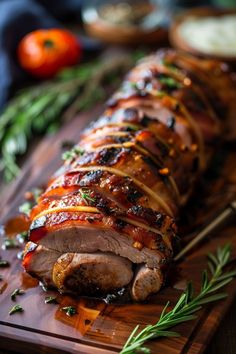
pixel 107 220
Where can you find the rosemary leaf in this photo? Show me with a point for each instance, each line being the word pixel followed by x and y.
pixel 187 304
pixel 50 300
pixel 15 293
pixel 85 194
pixel 69 310
pixel 16 308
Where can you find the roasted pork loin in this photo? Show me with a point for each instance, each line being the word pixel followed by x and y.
pixel 107 219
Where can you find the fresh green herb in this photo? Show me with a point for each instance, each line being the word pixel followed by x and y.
pixel 72 154
pixel 185 308
pixel 69 310
pixel 85 194
pixel 170 82
pixel 35 110
pixel 15 293
pixel 9 243
pixel 25 208
pixel 50 300
pixel 4 264
pixel 16 308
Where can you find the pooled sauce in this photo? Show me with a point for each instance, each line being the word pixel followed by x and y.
pixel 210 35
pixel 20 223
pixel 87 310
pixel 28 282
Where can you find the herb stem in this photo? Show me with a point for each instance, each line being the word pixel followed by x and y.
pixel 185 308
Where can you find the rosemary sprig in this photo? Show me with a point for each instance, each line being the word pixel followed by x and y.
pixel 37 109
pixel 85 195
pixel 187 305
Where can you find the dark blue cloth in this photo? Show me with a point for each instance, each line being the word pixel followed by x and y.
pixel 17 18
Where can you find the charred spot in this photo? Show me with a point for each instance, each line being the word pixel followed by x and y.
pixel 86 159
pixel 109 156
pixel 150 163
pixel 133 195
pixel 150 216
pixel 121 139
pixel 103 205
pixel 163 149
pixel 145 120
pixel 90 219
pixel 177 107
pixel 120 224
pixel 159 219
pixel 171 122
pixel 91 178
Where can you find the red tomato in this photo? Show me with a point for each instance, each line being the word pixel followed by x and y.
pixel 45 52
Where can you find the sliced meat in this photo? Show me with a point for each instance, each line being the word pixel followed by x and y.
pixel 39 261
pixel 96 273
pixel 112 207
pixel 146 281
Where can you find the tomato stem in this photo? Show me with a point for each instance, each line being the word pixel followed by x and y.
pixel 48 43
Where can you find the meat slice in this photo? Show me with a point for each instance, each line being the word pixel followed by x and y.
pixel 93 273
pixel 39 261
pixel 146 281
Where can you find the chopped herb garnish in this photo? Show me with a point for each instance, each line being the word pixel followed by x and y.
pixel 85 194
pixel 170 82
pixel 50 300
pixel 4 264
pixel 72 154
pixel 25 208
pixel 9 243
pixel 15 293
pixel 69 310
pixel 16 308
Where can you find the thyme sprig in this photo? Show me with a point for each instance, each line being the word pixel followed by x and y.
pixel 187 305
pixel 86 195
pixel 71 154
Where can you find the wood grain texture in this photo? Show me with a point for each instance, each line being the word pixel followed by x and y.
pixel 99 327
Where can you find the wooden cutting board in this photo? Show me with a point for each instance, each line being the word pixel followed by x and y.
pixel 99 327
